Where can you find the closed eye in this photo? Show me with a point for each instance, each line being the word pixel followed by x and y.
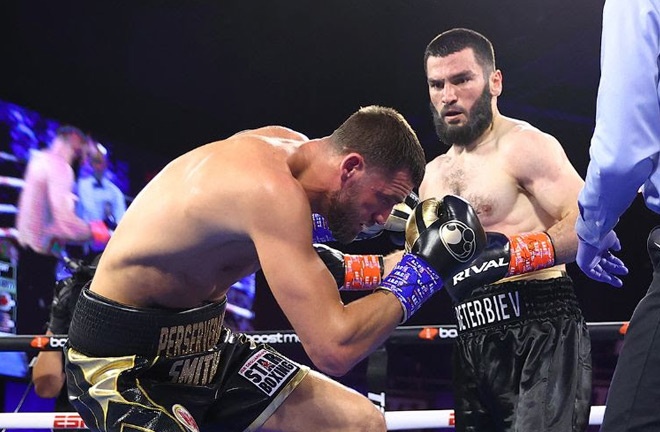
pixel 388 200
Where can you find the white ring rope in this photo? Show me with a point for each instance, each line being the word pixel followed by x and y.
pixel 8 156
pixel 8 209
pixel 396 420
pixel 239 311
pixel 12 182
pixel 60 420
pixel 11 233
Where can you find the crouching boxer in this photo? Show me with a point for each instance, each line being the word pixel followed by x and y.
pixel 147 347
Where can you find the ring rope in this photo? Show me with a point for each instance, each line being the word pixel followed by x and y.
pixel 442 334
pixel 8 209
pixel 11 233
pixel 12 182
pixel 396 420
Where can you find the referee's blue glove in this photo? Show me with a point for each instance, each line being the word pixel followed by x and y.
pixel 599 263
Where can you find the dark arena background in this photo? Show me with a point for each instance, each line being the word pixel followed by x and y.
pixel 152 80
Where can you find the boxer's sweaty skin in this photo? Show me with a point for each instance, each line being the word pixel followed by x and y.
pixel 195 229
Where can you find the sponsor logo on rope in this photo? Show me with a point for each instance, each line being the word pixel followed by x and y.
pixel 57 342
pixel 430 333
pixel 274 338
pixel 43 342
pixel 68 421
pixel 40 342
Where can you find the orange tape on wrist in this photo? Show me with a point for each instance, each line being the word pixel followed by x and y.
pixel 530 252
pixel 363 272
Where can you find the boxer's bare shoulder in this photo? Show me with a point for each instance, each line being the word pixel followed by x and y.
pixel 273 132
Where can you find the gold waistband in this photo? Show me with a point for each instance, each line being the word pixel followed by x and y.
pixel 548 273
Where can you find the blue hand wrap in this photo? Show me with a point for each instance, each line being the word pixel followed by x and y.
pixel 322 234
pixel 412 281
pixel 320 231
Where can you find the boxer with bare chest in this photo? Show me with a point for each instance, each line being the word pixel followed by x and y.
pixel 147 346
pixel 522 360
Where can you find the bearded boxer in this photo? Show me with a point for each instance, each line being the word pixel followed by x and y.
pixel 148 350
pixel 522 361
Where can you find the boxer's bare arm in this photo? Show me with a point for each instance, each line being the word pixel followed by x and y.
pixel 433 183
pixel 542 168
pixel 334 335
pixel 48 373
pixel 391 260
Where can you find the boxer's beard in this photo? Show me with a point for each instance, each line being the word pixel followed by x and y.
pixel 342 214
pixel 479 119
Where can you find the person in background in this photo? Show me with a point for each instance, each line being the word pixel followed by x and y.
pixel 625 156
pixel 46 220
pixel 99 198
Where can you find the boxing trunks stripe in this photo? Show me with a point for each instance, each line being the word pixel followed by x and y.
pixel 497 304
pixel 137 369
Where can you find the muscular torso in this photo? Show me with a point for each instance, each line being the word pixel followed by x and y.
pixel 501 203
pixel 487 178
pixel 184 239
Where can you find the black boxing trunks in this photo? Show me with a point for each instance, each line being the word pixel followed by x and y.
pixel 137 369
pixel 522 359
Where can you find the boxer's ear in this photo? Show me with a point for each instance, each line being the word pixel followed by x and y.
pixel 495 82
pixel 351 164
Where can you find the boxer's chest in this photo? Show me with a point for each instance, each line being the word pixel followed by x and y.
pixel 481 181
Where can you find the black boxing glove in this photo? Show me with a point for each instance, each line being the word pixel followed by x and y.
pixel 446 233
pixel 653 248
pixel 442 238
pixel 66 295
pixel 352 272
pixel 502 257
pixel 60 311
